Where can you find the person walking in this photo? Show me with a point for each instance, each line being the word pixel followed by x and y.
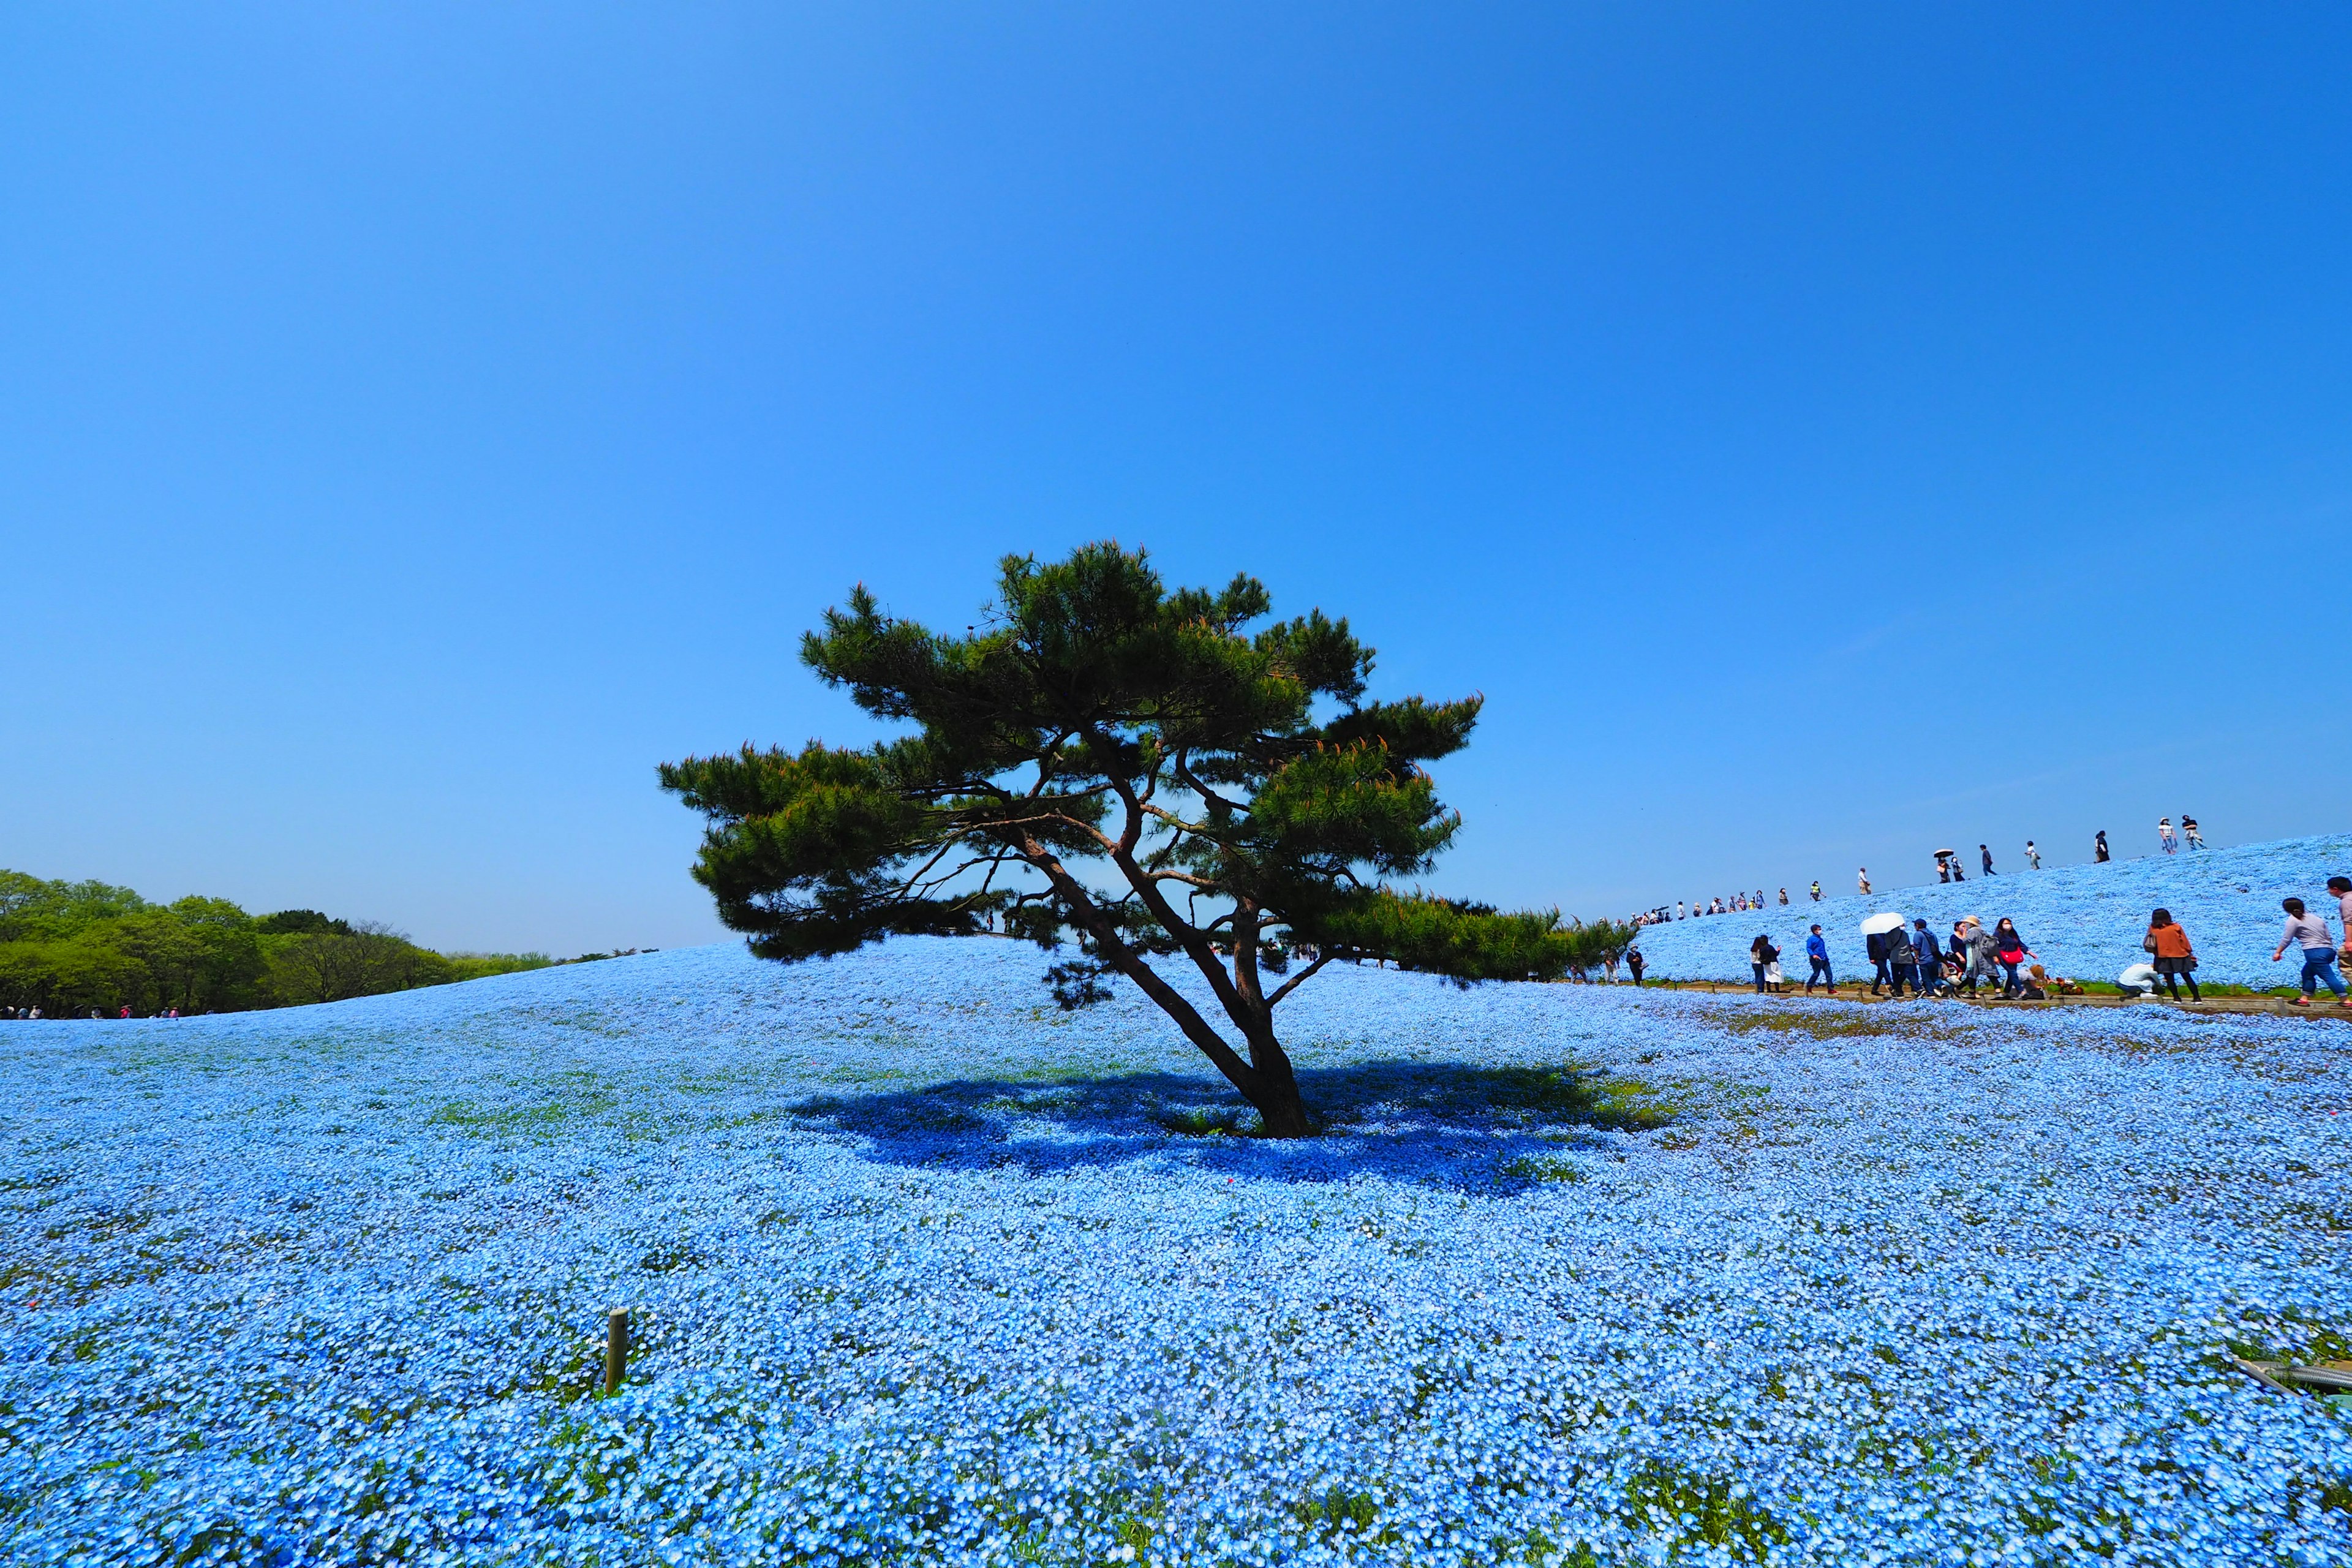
pixel 1817 890
pixel 2176 960
pixel 1678 908
pixel 2009 949
pixel 1817 954
pixel 1861 877
pixel 1901 959
pixel 2318 952
pixel 2195 840
pixel 2342 887
pixel 2164 834
pixel 1761 952
pixel 1875 946
pixel 2033 856
pixel 1943 868
pixel 2099 848
pixel 1636 962
pixel 1986 854
pixel 1931 958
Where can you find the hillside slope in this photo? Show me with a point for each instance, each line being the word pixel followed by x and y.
pixel 2085 922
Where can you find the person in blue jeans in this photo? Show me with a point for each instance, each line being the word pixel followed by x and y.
pixel 2318 953
pixel 1817 953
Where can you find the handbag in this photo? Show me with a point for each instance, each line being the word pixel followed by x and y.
pixel 2148 942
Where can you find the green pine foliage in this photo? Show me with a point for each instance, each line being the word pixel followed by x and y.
pixel 1132 767
pixel 71 948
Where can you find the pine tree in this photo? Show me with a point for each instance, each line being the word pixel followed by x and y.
pixel 1116 761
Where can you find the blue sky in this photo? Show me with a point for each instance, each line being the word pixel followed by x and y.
pixel 1823 434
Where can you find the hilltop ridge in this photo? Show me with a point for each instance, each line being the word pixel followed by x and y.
pixel 2085 922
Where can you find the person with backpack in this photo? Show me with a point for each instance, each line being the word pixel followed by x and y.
pixel 2318 953
pixel 1817 954
pixel 1901 959
pixel 1931 958
pixel 2176 960
pixel 1760 953
pixel 2009 949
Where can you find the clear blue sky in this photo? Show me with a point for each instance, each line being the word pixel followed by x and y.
pixel 1824 434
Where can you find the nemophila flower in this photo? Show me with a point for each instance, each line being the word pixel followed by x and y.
pixel 921 1271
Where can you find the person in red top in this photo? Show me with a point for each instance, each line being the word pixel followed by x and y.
pixel 2175 960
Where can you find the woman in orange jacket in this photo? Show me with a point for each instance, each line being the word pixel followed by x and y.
pixel 2175 959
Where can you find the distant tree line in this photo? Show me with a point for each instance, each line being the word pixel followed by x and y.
pixel 68 948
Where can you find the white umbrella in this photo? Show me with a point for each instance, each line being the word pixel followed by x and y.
pixel 1879 925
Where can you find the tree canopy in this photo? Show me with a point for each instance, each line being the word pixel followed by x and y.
pixel 1132 766
pixel 68 948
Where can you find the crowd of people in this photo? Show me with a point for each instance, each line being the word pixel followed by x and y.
pixel 1914 959
pixel 1948 869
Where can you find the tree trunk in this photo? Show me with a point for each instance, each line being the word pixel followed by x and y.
pixel 1275 1090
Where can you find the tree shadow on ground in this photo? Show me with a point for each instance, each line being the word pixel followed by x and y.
pixel 1484 1129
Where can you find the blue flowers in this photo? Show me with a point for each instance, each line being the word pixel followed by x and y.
pixel 925 1270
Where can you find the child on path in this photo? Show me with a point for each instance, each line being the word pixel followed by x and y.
pixel 1817 953
pixel 2176 960
pixel 2318 952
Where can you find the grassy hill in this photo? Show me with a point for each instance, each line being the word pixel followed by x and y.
pixel 2085 922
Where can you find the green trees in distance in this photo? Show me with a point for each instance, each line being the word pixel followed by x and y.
pixel 69 947
pixel 1115 761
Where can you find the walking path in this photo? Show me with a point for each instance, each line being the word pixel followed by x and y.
pixel 2268 1005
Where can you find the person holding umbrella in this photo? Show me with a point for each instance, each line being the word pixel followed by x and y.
pixel 1875 935
pixel 1902 958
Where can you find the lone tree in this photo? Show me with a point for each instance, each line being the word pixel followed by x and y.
pixel 1109 759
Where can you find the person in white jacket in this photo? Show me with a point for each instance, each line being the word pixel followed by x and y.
pixel 2310 933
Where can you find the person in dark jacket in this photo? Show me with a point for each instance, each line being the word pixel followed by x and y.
pixel 1931 958
pixel 2009 950
pixel 1760 952
pixel 1985 851
pixel 1875 944
pixel 1817 953
pixel 1636 962
pixel 1902 958
pixel 2099 848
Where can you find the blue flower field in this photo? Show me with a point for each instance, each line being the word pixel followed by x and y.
pixel 2086 921
pixel 926 1271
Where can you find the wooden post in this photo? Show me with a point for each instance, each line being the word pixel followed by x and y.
pixel 617 1347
